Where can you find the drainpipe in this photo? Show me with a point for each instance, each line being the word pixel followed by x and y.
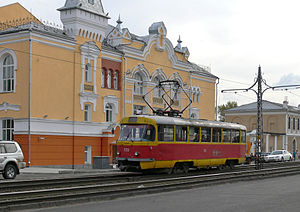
pixel 216 111
pixel 29 100
pixel 124 92
pixel 191 95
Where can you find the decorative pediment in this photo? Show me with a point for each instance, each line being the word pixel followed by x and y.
pixel 6 106
pixel 177 77
pixel 160 74
pixel 142 70
pixel 159 31
pixel 88 97
pixel 90 48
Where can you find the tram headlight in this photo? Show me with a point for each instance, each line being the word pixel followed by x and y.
pixel 136 154
pixel 118 153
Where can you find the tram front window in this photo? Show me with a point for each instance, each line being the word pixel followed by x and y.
pixel 137 132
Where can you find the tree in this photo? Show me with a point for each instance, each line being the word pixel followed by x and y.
pixel 222 108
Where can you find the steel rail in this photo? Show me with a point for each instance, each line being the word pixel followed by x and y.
pixel 50 197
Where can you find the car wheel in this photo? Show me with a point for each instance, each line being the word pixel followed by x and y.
pixel 10 171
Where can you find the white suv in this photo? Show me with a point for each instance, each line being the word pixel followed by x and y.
pixel 11 159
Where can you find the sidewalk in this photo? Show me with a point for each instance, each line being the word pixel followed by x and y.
pixel 45 170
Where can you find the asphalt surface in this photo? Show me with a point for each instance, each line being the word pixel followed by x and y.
pixel 274 194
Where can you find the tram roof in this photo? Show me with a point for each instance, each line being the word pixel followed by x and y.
pixel 194 122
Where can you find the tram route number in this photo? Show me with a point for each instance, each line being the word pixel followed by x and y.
pixel 216 153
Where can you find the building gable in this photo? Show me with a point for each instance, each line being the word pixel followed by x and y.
pixel 15 15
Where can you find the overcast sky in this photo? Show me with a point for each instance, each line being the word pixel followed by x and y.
pixel 233 37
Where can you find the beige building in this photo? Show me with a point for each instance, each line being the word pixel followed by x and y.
pixel 64 91
pixel 281 123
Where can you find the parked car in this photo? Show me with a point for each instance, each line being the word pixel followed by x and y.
pixel 11 159
pixel 263 156
pixel 279 155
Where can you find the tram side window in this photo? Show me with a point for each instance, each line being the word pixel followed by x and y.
pixel 205 134
pixel 181 133
pixel 236 136
pixel 166 133
pixel 216 135
pixel 243 137
pixel 226 135
pixel 194 134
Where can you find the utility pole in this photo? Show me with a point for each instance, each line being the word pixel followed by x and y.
pixel 259 128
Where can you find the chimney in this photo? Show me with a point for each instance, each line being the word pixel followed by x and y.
pixel 285 102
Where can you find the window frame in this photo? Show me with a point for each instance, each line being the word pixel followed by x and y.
pixel 7 74
pixel 103 73
pixel 194 134
pixel 181 133
pixel 108 113
pixel 230 136
pixel 7 131
pixel 164 134
pixel 88 73
pixel 116 80
pixel 109 78
pixel 138 84
pixel 233 136
pixel 87 112
pixel 208 133
pixel 216 135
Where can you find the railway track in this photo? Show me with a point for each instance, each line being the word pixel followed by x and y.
pixel 67 191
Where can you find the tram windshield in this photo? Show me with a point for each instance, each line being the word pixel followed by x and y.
pixel 137 132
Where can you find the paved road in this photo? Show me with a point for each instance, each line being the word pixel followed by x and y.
pixel 276 194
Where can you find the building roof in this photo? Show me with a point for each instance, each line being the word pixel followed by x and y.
pixel 93 6
pixel 38 28
pixel 267 106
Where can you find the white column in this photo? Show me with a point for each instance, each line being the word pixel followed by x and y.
pixel 82 74
pixel 95 68
pixel 275 145
pixel 0 129
pixel 267 143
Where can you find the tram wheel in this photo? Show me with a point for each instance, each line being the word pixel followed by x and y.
pixel 170 170
pixel 185 168
pixel 221 167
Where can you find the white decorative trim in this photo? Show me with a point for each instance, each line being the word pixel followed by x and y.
pixel 196 111
pixel 177 77
pixel 158 73
pixel 89 51
pixel 3 53
pixel 112 59
pixel 205 80
pixel 253 113
pixel 6 106
pixel 53 44
pixel 114 102
pixel 59 127
pixel 88 97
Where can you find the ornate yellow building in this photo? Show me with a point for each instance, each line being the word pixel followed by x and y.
pixel 63 92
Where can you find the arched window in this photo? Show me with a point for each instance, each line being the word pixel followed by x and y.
pixel 138 85
pixel 157 90
pixel 8 74
pixel 109 79
pixel 193 116
pixel 103 78
pixel 108 113
pixel 116 79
